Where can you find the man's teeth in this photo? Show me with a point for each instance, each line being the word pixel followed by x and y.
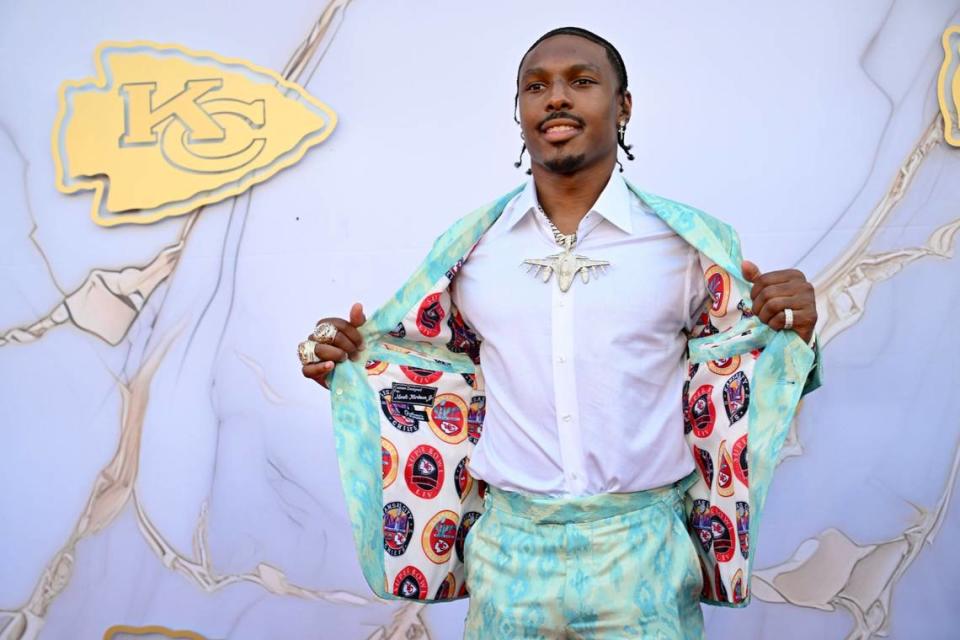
pixel 561 127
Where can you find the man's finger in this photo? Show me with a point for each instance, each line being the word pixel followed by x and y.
pixel 330 352
pixel 318 372
pixel 779 277
pixel 765 294
pixel 347 330
pixel 774 309
pixel 357 318
pixel 341 341
pixel 750 271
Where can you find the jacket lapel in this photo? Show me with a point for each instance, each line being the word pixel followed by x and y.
pixel 450 248
pixel 706 234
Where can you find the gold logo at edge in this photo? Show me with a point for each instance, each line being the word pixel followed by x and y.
pixel 948 85
pixel 162 130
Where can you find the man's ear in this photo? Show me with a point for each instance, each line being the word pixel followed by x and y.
pixel 626 107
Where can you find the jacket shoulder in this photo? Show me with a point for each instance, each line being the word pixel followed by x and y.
pixel 706 232
pixel 723 230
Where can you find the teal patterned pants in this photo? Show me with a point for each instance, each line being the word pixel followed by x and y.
pixel 600 567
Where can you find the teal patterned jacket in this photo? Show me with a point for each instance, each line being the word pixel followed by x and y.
pixel 407 414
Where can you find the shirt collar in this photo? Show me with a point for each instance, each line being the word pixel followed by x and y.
pixel 613 204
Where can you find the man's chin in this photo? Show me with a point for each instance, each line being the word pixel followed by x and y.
pixel 565 165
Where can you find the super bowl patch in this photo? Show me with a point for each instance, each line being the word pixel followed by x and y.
pixel 736 396
pixel 740 460
pixel 724 471
pixel 475 416
pixel 724 367
pixel 447 588
pixel 703 415
pixel 700 522
pixel 463 338
pixel 430 315
pixel 424 472
pixel 421 376
pixel 410 583
pixel 743 528
pixel 389 460
pixel 448 418
pixel 704 464
pixel 463 481
pixel 375 367
pixel 399 331
pixel 718 286
pixel 466 523
pixel 397 528
pixel 440 536
pixel 722 531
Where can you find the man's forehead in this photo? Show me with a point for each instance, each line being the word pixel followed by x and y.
pixel 566 51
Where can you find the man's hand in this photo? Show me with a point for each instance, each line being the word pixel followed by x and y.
pixel 775 291
pixel 347 344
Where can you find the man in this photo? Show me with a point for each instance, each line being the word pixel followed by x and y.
pixel 630 302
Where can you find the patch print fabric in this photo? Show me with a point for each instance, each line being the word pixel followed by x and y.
pixel 430 500
pixel 722 382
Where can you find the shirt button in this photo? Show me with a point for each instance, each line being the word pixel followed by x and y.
pixel 562 359
pixel 561 303
pixel 567 417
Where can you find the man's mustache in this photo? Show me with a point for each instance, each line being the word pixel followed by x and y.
pixel 565 115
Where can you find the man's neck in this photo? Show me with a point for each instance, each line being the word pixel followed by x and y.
pixel 567 198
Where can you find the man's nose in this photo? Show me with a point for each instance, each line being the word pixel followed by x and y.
pixel 559 98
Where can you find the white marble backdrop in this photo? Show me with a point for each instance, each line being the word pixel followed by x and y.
pixel 186 476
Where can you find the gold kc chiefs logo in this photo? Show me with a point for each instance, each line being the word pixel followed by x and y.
pixel 163 130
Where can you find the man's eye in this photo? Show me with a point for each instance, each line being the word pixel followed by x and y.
pixel 582 82
pixel 535 86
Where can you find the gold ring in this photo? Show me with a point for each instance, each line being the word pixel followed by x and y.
pixel 306 350
pixel 325 332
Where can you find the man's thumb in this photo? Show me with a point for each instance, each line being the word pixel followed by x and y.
pixel 356 314
pixel 750 271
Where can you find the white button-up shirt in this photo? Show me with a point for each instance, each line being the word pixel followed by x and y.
pixel 584 387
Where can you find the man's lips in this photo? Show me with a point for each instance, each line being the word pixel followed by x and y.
pixel 560 129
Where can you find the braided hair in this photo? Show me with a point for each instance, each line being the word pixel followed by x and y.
pixel 616 61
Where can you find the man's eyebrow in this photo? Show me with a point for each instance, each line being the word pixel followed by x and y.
pixel 574 68
pixel 586 66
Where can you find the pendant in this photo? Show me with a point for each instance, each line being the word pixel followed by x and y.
pixel 566 265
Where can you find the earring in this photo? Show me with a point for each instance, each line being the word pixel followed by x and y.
pixel 622 130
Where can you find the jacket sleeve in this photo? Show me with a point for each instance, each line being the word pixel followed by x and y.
pixel 815 377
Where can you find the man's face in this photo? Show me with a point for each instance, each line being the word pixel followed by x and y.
pixel 569 104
